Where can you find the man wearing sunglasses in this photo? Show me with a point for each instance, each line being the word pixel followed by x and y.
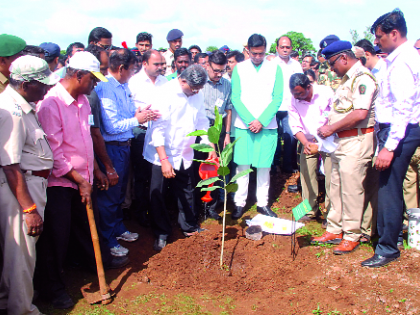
pixel 352 119
pixel 101 37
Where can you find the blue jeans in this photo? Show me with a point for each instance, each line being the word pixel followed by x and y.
pixel 289 143
pixel 109 201
pixel 390 194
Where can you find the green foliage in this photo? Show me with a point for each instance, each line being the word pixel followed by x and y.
pixel 243 173
pixel 208 181
pixel 355 37
pixel 197 133
pixel 223 170
pixel 63 52
pixel 202 147
pixel 213 134
pixel 231 188
pixel 211 48
pixel 210 188
pixel 300 43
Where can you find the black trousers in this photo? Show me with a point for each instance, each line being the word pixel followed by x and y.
pixel 390 194
pixel 183 189
pixel 65 219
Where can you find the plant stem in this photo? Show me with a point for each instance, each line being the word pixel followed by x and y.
pixel 224 207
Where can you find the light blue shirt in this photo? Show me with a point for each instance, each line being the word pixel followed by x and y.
pixel 117 110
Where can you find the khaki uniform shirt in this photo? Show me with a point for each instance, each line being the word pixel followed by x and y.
pixel 358 90
pixel 22 140
pixel 3 82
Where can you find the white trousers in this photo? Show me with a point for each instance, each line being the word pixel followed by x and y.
pixel 263 184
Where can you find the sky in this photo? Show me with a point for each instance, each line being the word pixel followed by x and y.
pixel 204 23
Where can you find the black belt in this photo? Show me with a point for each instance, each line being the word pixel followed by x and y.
pixel 119 143
pixel 388 125
pixel 142 127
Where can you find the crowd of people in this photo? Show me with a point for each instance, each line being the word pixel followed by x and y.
pixel 107 126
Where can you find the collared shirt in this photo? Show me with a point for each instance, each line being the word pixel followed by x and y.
pixel 3 82
pixel 217 94
pixel 21 138
pixel 307 117
pixel 169 57
pixel 180 116
pixel 400 92
pixel 66 123
pixel 289 68
pixel 357 90
pixel 172 76
pixel 117 110
pixel 385 114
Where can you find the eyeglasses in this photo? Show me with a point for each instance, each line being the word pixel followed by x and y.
pixel 285 47
pixel 257 54
pixel 106 47
pixel 333 63
pixel 217 70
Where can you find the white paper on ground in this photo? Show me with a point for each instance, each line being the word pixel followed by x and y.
pixel 275 225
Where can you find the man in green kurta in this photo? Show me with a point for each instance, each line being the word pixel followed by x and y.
pixel 257 92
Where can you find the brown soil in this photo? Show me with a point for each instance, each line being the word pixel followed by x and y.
pixel 257 277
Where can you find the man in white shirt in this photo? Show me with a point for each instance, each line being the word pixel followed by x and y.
pixel 398 114
pixel 289 66
pixel 144 87
pixel 169 151
pixel 174 39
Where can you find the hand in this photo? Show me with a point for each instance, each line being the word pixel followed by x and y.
pixel 146 115
pixel 325 131
pixel 384 159
pixel 167 170
pixel 212 155
pixel 101 180
pixel 307 148
pixel 112 176
pixel 85 190
pixel 255 126
pixel 227 141
pixel 34 223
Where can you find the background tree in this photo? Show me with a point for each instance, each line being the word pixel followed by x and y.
pixel 355 37
pixel 300 43
pixel 211 48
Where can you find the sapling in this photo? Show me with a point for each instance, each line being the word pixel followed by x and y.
pixel 225 157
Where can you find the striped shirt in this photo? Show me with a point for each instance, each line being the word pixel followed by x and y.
pixel 117 110
pixel 217 94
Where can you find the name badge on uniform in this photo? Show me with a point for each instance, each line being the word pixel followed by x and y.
pixel 90 120
pixel 219 102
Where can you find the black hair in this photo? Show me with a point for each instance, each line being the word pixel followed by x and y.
pixel 97 33
pixel 239 57
pixel 96 50
pixel 309 55
pixel 69 50
pixel 256 40
pixel 366 46
pixel 31 50
pixel 315 64
pixel 299 79
pixel 147 54
pixel 49 58
pixel 294 54
pixel 62 60
pixel 319 54
pixel 350 54
pixel 200 55
pixel 391 21
pixel 182 52
pixel 124 57
pixel 311 73
pixel 218 58
pixel 284 36
pixel 173 64
pixel 144 36
pixel 195 47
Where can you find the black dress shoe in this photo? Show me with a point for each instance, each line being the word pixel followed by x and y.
pixel 237 213
pixel 62 302
pixel 266 211
pixel 213 214
pixel 160 243
pixel 117 262
pixel 377 261
pixel 294 188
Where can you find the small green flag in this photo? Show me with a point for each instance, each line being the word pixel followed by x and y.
pixel 301 209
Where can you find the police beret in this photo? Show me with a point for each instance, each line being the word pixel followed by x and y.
pixel 336 48
pixel 174 34
pixel 10 45
pixel 328 41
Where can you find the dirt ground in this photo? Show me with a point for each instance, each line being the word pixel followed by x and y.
pixel 257 277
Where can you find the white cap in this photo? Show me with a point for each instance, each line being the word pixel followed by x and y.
pixel 84 60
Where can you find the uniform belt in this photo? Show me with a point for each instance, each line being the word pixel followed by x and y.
pixel 44 173
pixel 119 143
pixel 354 132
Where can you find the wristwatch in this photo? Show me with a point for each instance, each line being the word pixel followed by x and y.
pixel 228 132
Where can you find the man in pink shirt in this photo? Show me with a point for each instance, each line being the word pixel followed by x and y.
pixel 65 116
pixel 308 111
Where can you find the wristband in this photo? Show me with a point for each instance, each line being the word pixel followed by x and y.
pixel 112 173
pixel 228 132
pixel 164 159
pixel 30 209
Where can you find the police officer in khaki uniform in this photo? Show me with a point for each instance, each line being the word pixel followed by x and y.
pixel 10 49
pixel 351 119
pixel 26 161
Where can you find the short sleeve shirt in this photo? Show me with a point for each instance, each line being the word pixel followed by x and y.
pixel 95 107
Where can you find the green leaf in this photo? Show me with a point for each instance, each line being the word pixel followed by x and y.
pixel 210 188
pixel 208 181
pixel 218 122
pixel 223 171
pixel 197 133
pixel 228 152
pixel 205 162
pixel 202 147
pixel 243 173
pixel 213 134
pixel 231 188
